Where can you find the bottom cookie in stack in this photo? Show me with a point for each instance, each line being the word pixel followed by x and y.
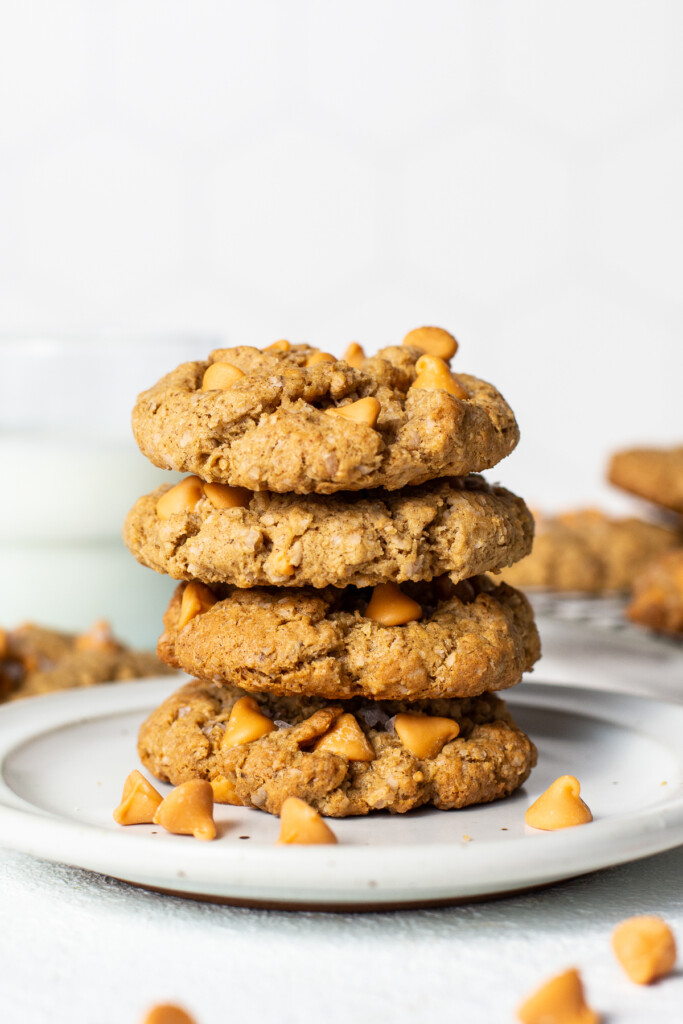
pixel 346 758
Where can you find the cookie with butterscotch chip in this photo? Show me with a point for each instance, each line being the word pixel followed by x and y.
pixel 423 640
pixel 458 526
pixel 344 759
pixel 290 419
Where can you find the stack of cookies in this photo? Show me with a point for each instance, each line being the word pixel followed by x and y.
pixel 333 547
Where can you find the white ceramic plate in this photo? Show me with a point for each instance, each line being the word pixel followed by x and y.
pixel 64 758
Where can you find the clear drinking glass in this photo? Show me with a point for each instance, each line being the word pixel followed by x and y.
pixel 69 472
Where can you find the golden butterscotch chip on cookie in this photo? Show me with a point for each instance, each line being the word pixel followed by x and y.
pixel 655 474
pixel 460 526
pixel 261 419
pixel 342 758
pixel 476 637
pixel 588 551
pixel 657 599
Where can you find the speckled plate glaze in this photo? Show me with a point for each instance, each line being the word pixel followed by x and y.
pixel 64 758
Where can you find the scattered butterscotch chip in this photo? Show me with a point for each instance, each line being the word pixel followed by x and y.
pixel 560 1001
pixel 391 607
pixel 466 838
pixel 197 599
pixel 181 498
pixel 220 377
pixel 246 723
pixel 355 355
pixel 365 410
pixel 560 806
pixel 167 1013
pixel 139 801
pixel 347 739
pixel 300 823
pixel 433 375
pixel 224 496
pixel 425 735
pixel 645 948
pixel 188 810
pixel 320 357
pixel 278 346
pixel 433 340
pixel 98 638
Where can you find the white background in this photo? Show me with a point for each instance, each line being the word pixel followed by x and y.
pixel 329 171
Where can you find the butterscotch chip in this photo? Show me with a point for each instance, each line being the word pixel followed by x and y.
pixel 346 738
pixel 196 600
pixel 460 526
pixel 560 806
pixel 657 600
pixel 652 473
pixel 425 735
pixel 319 357
pixel 181 498
pixel 300 823
pixel 365 411
pixel 183 739
pixel 246 723
pixel 278 346
pixel 645 948
pixel 220 376
pixel 139 802
pixel 433 375
pixel 354 355
pixel 321 642
pixel 560 1001
pixel 433 340
pixel 589 551
pixel 188 810
pixel 223 496
pixel 167 1013
pixel 253 433
pixel 98 638
pixel 391 607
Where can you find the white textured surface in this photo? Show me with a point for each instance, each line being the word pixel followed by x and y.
pixel 77 948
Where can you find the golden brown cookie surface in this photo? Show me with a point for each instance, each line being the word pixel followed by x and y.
pixel 271 428
pixel 460 526
pixel 184 739
pixel 476 637
pixel 657 599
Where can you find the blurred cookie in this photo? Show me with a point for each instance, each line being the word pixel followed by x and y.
pixel 35 660
pixel 462 640
pixel 458 526
pixel 363 765
pixel 652 473
pixel 657 599
pixel 280 420
pixel 587 551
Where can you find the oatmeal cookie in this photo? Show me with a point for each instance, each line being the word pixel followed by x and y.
pixel 652 473
pixel 589 552
pixel 472 637
pixel 184 739
pixel 657 599
pixel 36 660
pixel 457 526
pixel 271 429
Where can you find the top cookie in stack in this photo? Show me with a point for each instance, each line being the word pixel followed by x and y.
pixel 277 564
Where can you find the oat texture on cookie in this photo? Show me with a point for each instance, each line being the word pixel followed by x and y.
pixel 332 544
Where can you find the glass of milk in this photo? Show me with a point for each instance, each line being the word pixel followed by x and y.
pixel 69 472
